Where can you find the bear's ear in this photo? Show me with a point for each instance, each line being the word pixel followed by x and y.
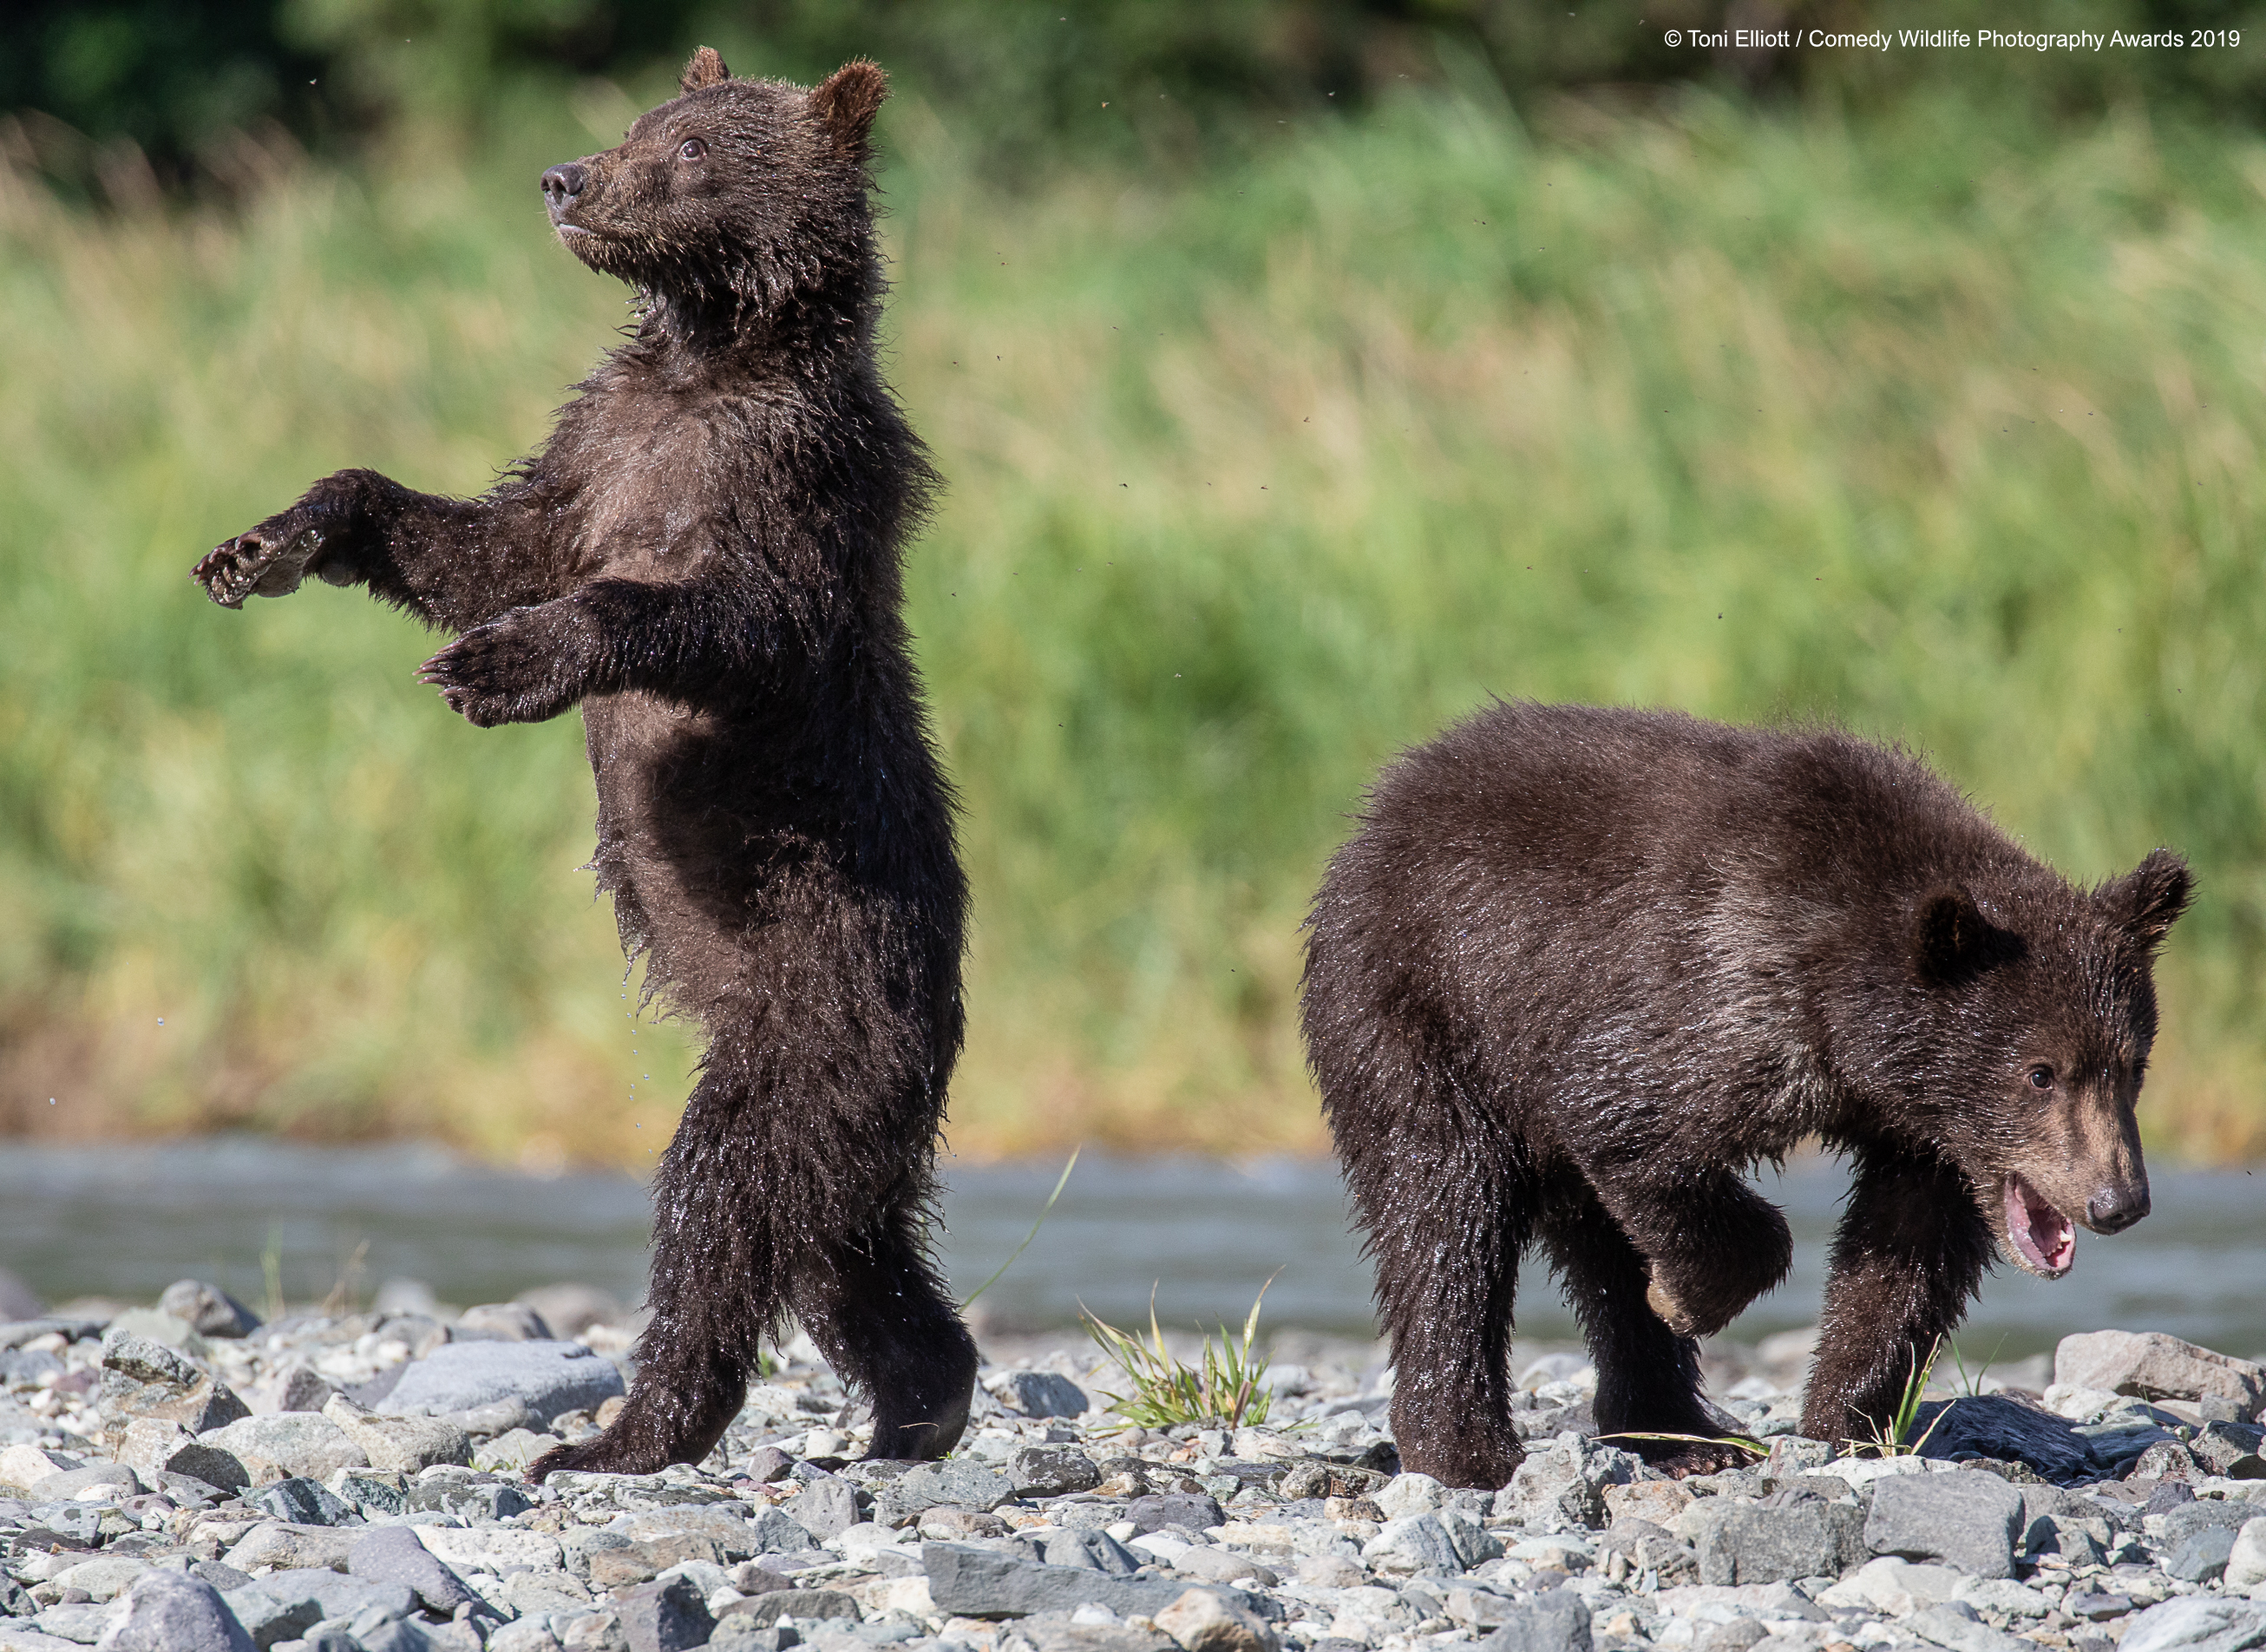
pixel 2146 900
pixel 705 69
pixel 1953 940
pixel 846 104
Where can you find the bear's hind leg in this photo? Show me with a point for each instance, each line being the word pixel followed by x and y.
pixel 1447 1202
pixel 879 1314
pixel 1648 1376
pixel 1910 1251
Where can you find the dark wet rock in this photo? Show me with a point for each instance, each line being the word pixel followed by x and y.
pixel 1556 1621
pixel 1041 1393
pixel 393 1554
pixel 173 1612
pixel 208 1309
pixel 1159 1510
pixel 549 1378
pixel 1052 1470
pixel 1998 1425
pixel 1741 1542
pixel 303 1502
pixel 1972 1520
pixel 667 1617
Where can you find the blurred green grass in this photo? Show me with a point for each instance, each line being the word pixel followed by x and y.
pixel 1942 423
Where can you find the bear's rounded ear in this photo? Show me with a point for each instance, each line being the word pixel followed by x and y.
pixel 847 102
pixel 2146 900
pixel 705 69
pixel 1953 940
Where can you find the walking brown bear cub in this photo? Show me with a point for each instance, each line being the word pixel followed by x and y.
pixel 705 557
pixel 1580 968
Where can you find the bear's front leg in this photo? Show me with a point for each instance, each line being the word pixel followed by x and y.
pixel 1711 1243
pixel 526 666
pixel 1910 1253
pixel 270 559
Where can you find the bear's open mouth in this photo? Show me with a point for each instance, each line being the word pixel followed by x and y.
pixel 2044 1240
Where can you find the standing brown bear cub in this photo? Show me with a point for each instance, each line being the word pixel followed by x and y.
pixel 1581 969
pixel 705 558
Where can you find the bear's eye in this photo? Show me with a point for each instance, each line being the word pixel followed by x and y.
pixel 691 150
pixel 2041 1077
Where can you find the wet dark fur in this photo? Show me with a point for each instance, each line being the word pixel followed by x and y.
pixel 1579 969
pixel 705 558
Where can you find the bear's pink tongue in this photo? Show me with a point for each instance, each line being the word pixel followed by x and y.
pixel 2046 1239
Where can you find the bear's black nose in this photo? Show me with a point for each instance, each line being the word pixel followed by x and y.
pixel 562 183
pixel 2113 1209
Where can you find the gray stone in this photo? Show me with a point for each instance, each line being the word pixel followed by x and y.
pixel 1556 1621
pixel 571 1309
pixel 1159 1510
pixel 393 1554
pixel 1412 1543
pixel 1970 1521
pixel 2078 1540
pixel 774 1532
pixel 2230 1449
pixel 1564 1485
pixel 267 1620
pixel 2201 1514
pixel 2000 1426
pixel 2197 1623
pixel 1041 1394
pixel 1740 1542
pixel 104 1577
pixel 293 1387
pixel 2203 1556
pixel 208 1309
pixel 82 1621
pixel 1223 1566
pixel 974 1583
pixel 2245 1564
pixel 303 1502
pixel 737 1632
pixel 1052 1470
pixel 666 1617
pixel 2155 1366
pixel 404 1444
pixel 294 1442
pixel 371 1492
pixel 72 1481
pixel 19 1302
pixel 766 1609
pixel 826 1508
pixel 957 1485
pixel 1200 1621
pixel 1953 1624
pixel 503 1322
pixel 1056 1632
pixel 1095 1550
pixel 550 1377
pixel 141 1377
pixel 173 1612
pixel 275 1542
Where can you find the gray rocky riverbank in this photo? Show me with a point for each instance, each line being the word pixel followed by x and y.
pixel 183 1478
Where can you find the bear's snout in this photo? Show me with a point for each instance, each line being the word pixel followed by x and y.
pixel 2116 1208
pixel 561 185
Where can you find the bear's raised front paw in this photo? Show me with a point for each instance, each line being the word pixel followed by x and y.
pixel 506 671
pixel 268 560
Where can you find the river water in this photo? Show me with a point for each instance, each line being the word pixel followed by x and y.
pixel 125 1221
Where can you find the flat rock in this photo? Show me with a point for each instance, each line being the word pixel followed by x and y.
pixel 402 1444
pixel 393 1554
pixel 104 1577
pixel 974 1583
pixel 2156 1366
pixel 1058 1631
pixel 1555 1621
pixel 549 1378
pixel 490 1549
pixel 766 1609
pixel 958 1484
pixel 2203 1556
pixel 2197 1623
pixel 1159 1510
pixel 1739 1542
pixel 27 1465
pixel 825 1508
pixel 286 1547
pixel 294 1442
pixel 1972 1520
pixel 1956 1626
pixel 174 1612
pixel 1996 1426
pixel 1095 1550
